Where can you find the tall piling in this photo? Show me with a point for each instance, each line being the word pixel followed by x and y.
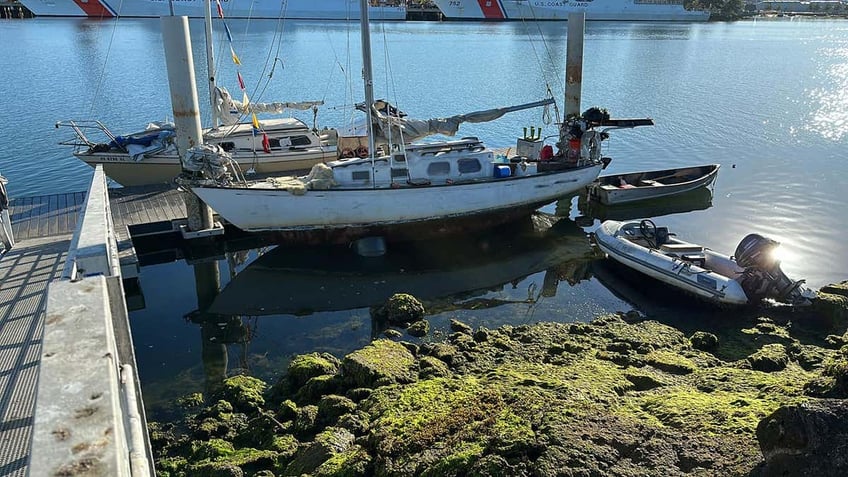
pixel 181 80
pixel 574 63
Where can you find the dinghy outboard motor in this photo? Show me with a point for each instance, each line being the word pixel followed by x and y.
pixel 763 277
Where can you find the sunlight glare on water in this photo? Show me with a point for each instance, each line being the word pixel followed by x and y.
pixel 830 119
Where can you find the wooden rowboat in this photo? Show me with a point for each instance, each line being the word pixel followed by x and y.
pixel 632 186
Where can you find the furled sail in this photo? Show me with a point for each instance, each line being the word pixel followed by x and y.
pixel 228 110
pixel 391 122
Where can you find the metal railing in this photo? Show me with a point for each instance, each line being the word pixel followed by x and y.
pixel 89 416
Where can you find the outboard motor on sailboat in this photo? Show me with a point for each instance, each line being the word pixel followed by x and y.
pixel 763 277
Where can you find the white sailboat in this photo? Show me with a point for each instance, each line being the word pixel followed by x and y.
pixel 413 190
pixel 150 156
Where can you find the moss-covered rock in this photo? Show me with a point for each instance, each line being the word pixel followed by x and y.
pixel 833 381
pixel 219 457
pixel 285 445
pixel 215 469
pixel 832 301
pixel 244 392
pixel 353 462
pixel 287 410
pixel 806 439
pixel 190 401
pixel 218 421
pixel 211 449
pixel 643 381
pixel 332 406
pixel 771 357
pixel 601 398
pixel 304 367
pixel 382 360
pixel 318 386
pixel 358 394
pixel 441 351
pixel 839 289
pixel 460 327
pixel 329 444
pixel 402 308
pixel 419 329
pixel 430 367
pixel 670 362
pixel 305 424
pixel 704 341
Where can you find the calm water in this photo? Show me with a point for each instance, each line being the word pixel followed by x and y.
pixel 767 100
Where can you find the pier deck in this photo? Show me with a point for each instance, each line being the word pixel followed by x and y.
pixel 43 227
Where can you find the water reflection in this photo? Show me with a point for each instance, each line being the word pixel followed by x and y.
pixel 256 308
pixel 831 118
pixel 306 280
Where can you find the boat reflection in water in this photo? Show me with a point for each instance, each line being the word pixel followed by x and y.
pixel 698 199
pixel 446 274
pixel 294 300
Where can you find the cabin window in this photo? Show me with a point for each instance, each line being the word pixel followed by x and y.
pixel 300 140
pixel 227 146
pixel 469 165
pixel 277 143
pixel 438 168
pixel 399 157
pixel 399 173
pixel 361 175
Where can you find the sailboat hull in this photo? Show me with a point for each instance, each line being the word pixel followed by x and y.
pixel 348 212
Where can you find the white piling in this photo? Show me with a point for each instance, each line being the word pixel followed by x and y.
pixel 182 82
pixel 574 63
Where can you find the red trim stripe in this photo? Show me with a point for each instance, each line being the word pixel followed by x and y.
pixel 491 9
pixel 94 8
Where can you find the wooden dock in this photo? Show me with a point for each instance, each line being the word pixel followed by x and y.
pixel 43 227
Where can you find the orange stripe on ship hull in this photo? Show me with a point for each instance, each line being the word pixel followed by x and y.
pixel 491 9
pixel 94 8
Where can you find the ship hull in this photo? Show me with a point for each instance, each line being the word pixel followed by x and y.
pixel 557 10
pixel 289 9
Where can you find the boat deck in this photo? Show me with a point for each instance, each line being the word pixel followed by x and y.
pixel 43 227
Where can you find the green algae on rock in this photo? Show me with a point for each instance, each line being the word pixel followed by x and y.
pixel 306 366
pixel 383 361
pixel 400 308
pixel 703 341
pixel 606 398
pixel 419 328
pixel 244 392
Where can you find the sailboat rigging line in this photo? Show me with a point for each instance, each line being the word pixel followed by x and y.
pixel 549 55
pixel 335 62
pixel 278 41
pixel 105 62
pixel 390 87
pixel 274 66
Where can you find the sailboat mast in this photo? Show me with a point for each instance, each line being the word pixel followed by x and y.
pixel 366 72
pixel 210 60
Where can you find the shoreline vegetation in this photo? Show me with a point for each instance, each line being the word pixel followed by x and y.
pixel 622 395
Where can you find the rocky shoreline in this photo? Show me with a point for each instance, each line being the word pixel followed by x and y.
pixel 622 395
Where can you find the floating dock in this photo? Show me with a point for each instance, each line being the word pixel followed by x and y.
pixel 69 399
